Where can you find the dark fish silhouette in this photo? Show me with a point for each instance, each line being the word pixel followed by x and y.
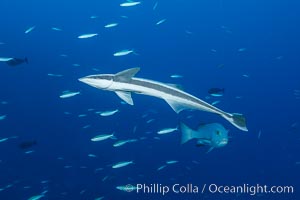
pixel 27 144
pixel 213 135
pixel 16 61
pixel 216 92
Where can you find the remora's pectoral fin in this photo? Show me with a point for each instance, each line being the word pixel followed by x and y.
pixel 127 74
pixel 125 96
pixel 177 107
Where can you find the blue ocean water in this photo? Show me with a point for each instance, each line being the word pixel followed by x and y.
pixel 250 48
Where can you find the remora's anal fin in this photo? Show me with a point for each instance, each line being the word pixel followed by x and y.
pixel 177 107
pixel 125 96
pixel 127 74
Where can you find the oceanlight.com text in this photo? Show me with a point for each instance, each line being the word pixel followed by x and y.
pixel 248 189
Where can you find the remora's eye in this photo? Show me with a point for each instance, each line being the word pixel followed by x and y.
pixel 218 132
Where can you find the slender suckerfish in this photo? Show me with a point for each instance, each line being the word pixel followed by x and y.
pixel 124 82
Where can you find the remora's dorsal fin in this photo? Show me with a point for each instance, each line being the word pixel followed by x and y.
pixel 127 74
pixel 125 96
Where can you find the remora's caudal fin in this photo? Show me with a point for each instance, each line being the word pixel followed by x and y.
pixel 236 119
pixel 186 133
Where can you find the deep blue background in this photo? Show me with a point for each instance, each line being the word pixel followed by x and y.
pixel 208 57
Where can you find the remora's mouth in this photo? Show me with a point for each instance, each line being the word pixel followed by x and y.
pixel 83 79
pixel 87 81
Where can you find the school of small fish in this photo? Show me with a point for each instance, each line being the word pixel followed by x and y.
pixel 153 130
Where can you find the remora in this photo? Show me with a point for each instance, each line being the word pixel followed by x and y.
pixel 124 82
